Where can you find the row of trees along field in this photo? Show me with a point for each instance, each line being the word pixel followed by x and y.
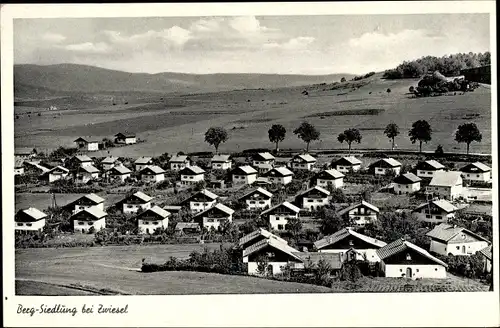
pixel 448 65
pixel 420 132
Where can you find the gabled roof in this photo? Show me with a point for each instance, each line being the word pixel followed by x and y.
pixel 407 178
pixel 325 192
pixel 259 191
pixel 304 158
pixel 157 210
pixel 218 206
pixel 93 198
pixel 179 159
pixel 349 160
pixel 244 170
pixel 343 233
pixel 109 160
pixel 487 252
pixel 331 173
pixel 429 164
pixel 94 211
pixel 121 169
pixel 274 243
pixel 143 160
pixel 83 158
pixel 59 168
pixel 89 169
pixel 286 204
pixel 123 135
pixel 221 158
pixel 192 170
pixel 441 203
pixel 86 140
pixel 400 245
pixel 259 232
pixel 390 162
pixel 153 169
pixel 38 166
pixel 204 192
pixel 263 157
pixel 33 213
pixel 278 171
pixel 476 167
pixel 445 232
pixel 446 179
pixel 142 196
pixel 347 209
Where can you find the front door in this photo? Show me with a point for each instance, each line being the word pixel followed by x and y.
pixel 408 273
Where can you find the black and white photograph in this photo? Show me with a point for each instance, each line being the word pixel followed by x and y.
pixel 280 154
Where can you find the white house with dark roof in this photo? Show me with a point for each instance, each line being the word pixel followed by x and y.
pixel 404 259
pixel 385 165
pixel 256 236
pixel 448 185
pixel 119 172
pixel 191 175
pixel 263 161
pixel 330 177
pixel 278 175
pixel 87 144
pixel 86 201
pixel 87 218
pixel 313 198
pixel 30 219
pixel 86 173
pixel 201 201
pixel 346 239
pixel 244 175
pixel 426 169
pixel 476 171
pixel 257 199
pixel 360 213
pixel 56 173
pixel 125 138
pixel 221 162
pixel 109 162
pixel 178 162
pixel 435 211
pixel 152 174
pixel 133 203
pixel 302 162
pixel 82 160
pixel 449 239
pixel 406 183
pixel 152 219
pixel 347 164
pixel 215 216
pixel 279 215
pixel 142 162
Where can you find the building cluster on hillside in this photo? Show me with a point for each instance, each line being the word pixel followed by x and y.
pixel 92 144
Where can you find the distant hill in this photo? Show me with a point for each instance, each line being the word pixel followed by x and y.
pixel 63 79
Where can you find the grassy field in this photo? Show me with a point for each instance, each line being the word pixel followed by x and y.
pixel 179 123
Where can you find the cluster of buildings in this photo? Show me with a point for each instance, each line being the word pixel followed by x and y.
pixel 90 144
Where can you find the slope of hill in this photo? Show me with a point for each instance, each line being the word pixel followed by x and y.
pixel 30 80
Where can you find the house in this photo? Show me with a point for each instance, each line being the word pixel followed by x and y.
pixel 214 217
pixel 221 162
pixel 152 174
pixel 311 261
pixel 385 165
pixel 347 238
pixel 360 213
pixel 57 173
pixel 133 203
pixel 151 219
pixel 446 185
pixel 279 215
pixel 476 171
pixel 404 259
pixel 86 201
pixel 86 173
pixel 302 162
pixel 406 183
pixel 187 227
pixel 119 172
pixel 435 211
pixel 330 177
pixel 244 175
pixel 178 162
pixel 269 256
pixel 35 168
pixel 127 139
pixel 487 255
pixel 142 162
pixel 256 236
pixel 87 144
pixel 91 217
pixel 81 161
pixel 263 161
pixel 449 239
pixel 426 169
pixel 257 199
pixel 25 153
pixel 347 164
pixel 201 201
pixel 18 166
pixel 313 198
pixel 191 175
pixel 30 219
pixel 109 162
pixel 278 175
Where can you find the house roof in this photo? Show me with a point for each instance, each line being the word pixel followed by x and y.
pixel 446 179
pixel 192 170
pixel 143 160
pixel 475 167
pixel 407 178
pixel 187 225
pixel 221 158
pixel 61 168
pixel 400 245
pixel 305 158
pixel 245 169
pixel 430 164
pixel 83 158
pixel 89 169
pixel 153 168
pixel 274 243
pixel 121 169
pixel 278 171
pixel 333 259
pixel 286 204
pixel 391 162
pixel 179 159
pixel 218 206
pixel 258 190
pixel 34 213
pixel 343 233
pixel 318 188
pixel 441 203
pixel 125 135
pixel 142 196
pixel 487 252
pixel 445 232
pixel 264 156
pixel 256 233
pixel 204 192
pixel 86 140
pixel 349 159
pixel 109 160
pixel 38 166
pixel 94 211
pixel 347 209
pixel 333 173
pixel 157 210
pixel 93 198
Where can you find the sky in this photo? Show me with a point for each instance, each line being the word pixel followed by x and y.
pixel 311 45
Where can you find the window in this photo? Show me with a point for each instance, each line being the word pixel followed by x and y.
pixel 210 220
pixel 418 270
pixel 252 202
pixel 19 224
pixel 262 202
pixel 435 269
pixel 310 200
pixel 280 227
pixel 155 222
pixel 400 270
pixel 428 216
pixel 81 223
pixel 146 222
pixel 408 257
pixel 458 247
pixel 439 217
pixel 277 218
pixel 477 175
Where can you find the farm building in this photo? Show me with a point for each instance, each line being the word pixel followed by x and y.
pixel 152 174
pixel 435 211
pixel 244 175
pixel 348 239
pixel 449 239
pixel 256 236
pixel 302 162
pixel 142 162
pixel 127 139
pixel 279 215
pixel 487 255
pixel 152 219
pixel 446 185
pixel 476 171
pixel 347 164
pixel 360 213
pixel 215 216
pixel 201 201
pixel 86 201
pixel 330 177
pixel 18 166
pixel 57 173
pixel 385 165
pixel 178 162
pixel 263 161
pixel 133 203
pixel 191 175
pixel 426 169
pixel 313 198
pixel 86 173
pixel 109 162
pixel 80 161
pixel 87 144
pixel 25 153
pixel 30 219
pixel 404 259
pixel 119 172
pixel 257 199
pixel 91 217
pixel 406 183
pixel 278 175
pixel 187 227
pixel 221 162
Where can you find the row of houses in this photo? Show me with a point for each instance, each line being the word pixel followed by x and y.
pixel 90 144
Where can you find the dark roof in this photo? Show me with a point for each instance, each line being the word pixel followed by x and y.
pixel 429 165
pixel 192 170
pixel 343 233
pixel 487 252
pixel 407 178
pixel 152 169
pixel 440 203
pixel 363 203
pixel 244 170
pixel 400 245
pixel 348 160
pixel 278 172
pixel 475 167
pixel 445 232
pixel 30 215
pixel 386 163
pixel 258 191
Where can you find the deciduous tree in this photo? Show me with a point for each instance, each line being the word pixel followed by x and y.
pixel 215 136
pixel 277 134
pixel 467 133
pixel 350 136
pixel 391 131
pixel 307 132
pixel 421 131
